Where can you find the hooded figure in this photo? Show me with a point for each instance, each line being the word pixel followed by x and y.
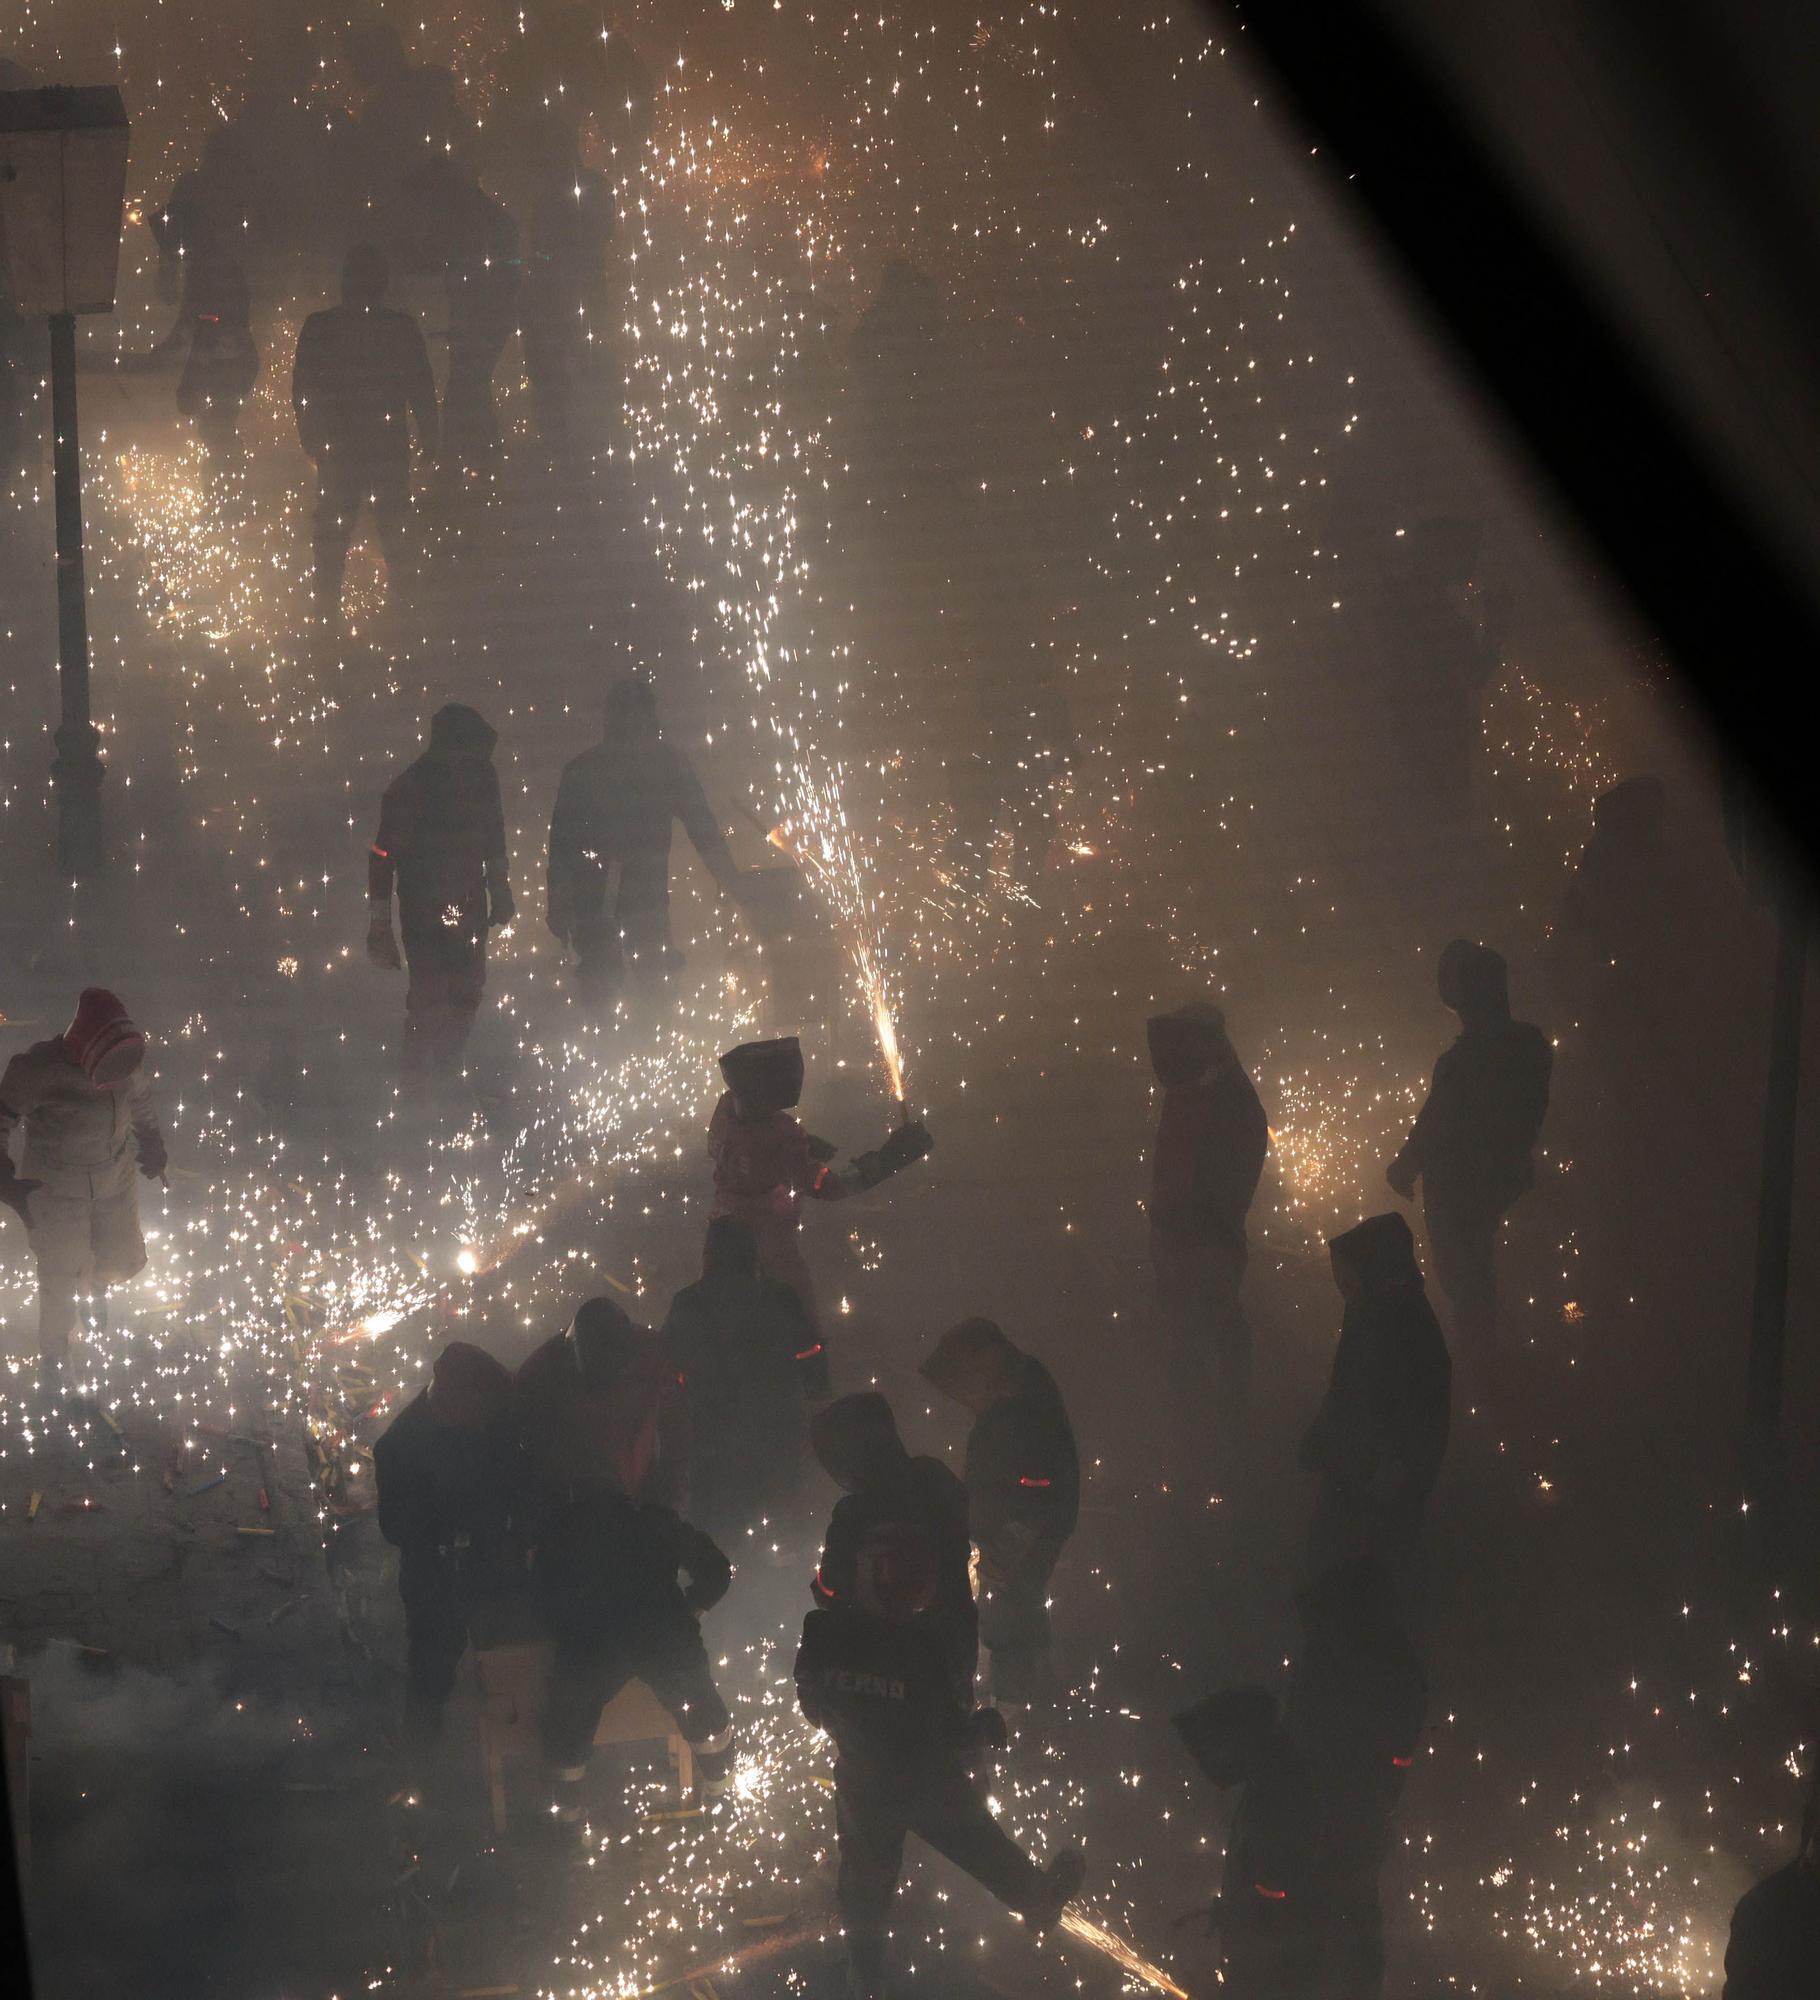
pixel 1380 1435
pixel 445 1471
pixel 1471 1144
pixel 1269 1916
pixel 1356 1702
pixel 1211 1140
pixel 750 1359
pixel 1773 1952
pixel 608 887
pixel 1023 1481
pixel 87 1111
pixel 765 1163
pixel 881 1671
pixel 442 838
pixel 362 377
pixel 603 1462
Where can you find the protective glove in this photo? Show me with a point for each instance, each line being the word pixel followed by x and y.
pixel 382 946
pixel 705 1590
pixel 152 1157
pixel 906 1145
pixel 500 907
pixel 1402 1179
pixel 988 1735
pixel 15 1192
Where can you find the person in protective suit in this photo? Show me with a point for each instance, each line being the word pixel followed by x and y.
pixel 1774 1949
pixel 604 1467
pixel 446 1473
pixel 1356 1702
pixel 1472 1140
pixel 87 1110
pixel 1211 1140
pixel 1023 1480
pixel 610 830
pixel 442 840
pixel 1269 1916
pixel 223 359
pixel 751 1362
pixel 878 1670
pixel 1380 1435
pixel 765 1164
pixel 361 379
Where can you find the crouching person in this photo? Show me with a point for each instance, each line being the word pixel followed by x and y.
pixel 445 1475
pixel 881 1672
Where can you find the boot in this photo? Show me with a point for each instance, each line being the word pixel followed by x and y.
pixel 1061 1884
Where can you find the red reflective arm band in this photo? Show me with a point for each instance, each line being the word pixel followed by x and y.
pixel 383 855
pixel 1402 1763
pixel 824 1588
pixel 1275 1895
pixel 1036 1482
pixel 820 1181
pixel 809 1353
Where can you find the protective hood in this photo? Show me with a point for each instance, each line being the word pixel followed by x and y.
pixel 1382 1251
pixel 1226 1734
pixel 974 1363
pixel 631 704
pixel 1474 981
pixel 102 1039
pixel 459 731
pixel 468 1388
pixel 1187 1043
pixel 765 1076
pixel 731 1250
pixel 604 1343
pixel 856 1442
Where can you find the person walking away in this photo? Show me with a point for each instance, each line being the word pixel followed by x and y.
pixel 1356 1702
pixel 597 1410
pixel 1472 1142
pixel 445 1470
pixel 608 885
pixel 751 1362
pixel 361 380
pixel 442 842
pixel 766 1165
pixel 86 1107
pixel 223 359
pixel 1380 1435
pixel 1023 1481
pixel 876 1671
pixel 1773 1952
pixel 1211 1140
pixel 1269 1915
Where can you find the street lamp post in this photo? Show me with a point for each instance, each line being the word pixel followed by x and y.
pixel 62 188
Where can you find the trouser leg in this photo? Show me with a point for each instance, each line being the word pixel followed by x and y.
pixel 60 1233
pixel 391 496
pixel 436 1636
pixel 673 1663
pixel 869 1827
pixel 600 965
pixel 441 1000
pixel 952 1816
pixel 337 503
pixel 1464 1241
pixel 587 1669
pixel 1014 1629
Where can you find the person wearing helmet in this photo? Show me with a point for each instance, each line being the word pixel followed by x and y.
pixel 604 1468
pixel 608 885
pixel 87 1110
pixel 1380 1435
pixel 751 1362
pixel 1472 1141
pixel 1211 1139
pixel 445 1473
pixel 880 1671
pixel 1269 1915
pixel 1023 1480
pixel 442 842
pixel 766 1164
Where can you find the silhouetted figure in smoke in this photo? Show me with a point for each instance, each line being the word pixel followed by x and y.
pixel 1380 1434
pixel 1269 1914
pixel 751 1360
pixel 1209 1154
pixel 447 222
pixel 608 886
pixel 564 298
pixel 1023 1480
pixel 208 213
pixel 362 377
pixel 1774 1949
pixel 408 113
pixel 597 1414
pixel 881 1671
pixel 1472 1141
pixel 442 838
pixel 446 1474
pixel 87 1110
pixel 223 360
pixel 766 1165
pixel 1355 1703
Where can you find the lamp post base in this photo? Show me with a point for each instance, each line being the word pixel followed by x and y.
pixel 77 774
